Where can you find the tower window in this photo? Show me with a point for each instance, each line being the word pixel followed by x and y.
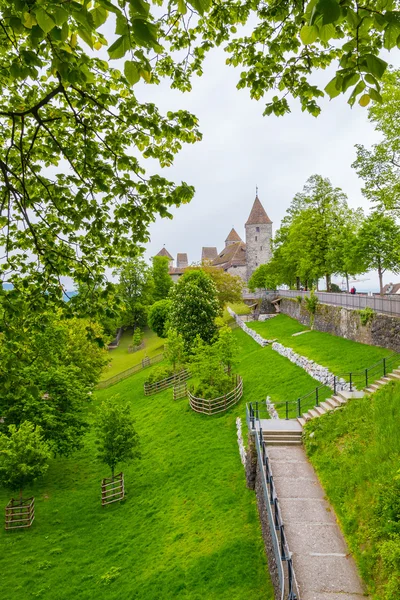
pixel 256 264
pixel 256 238
pixel 258 229
pixel 260 247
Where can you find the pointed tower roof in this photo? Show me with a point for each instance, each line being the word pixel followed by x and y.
pixel 258 216
pixel 233 236
pixel 164 252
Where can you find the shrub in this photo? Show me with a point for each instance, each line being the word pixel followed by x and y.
pixel 158 317
pixel 137 337
pixel 299 299
pixel 311 305
pixel 366 315
pixel 159 373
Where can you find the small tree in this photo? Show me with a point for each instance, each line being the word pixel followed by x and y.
pixel 24 456
pixel 137 337
pixel 194 307
pixel 161 277
pixel 378 245
pixel 158 317
pixel 117 439
pixel 174 349
pixel 227 348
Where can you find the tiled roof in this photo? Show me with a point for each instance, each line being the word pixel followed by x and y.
pixel 234 254
pixel 209 253
pixel 258 216
pixel 233 236
pixel 177 270
pixel 181 260
pixel 164 252
pixel 391 288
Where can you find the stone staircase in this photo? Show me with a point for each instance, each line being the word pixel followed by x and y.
pixel 283 437
pixel 342 397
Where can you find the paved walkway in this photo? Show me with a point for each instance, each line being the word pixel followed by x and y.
pixel 323 567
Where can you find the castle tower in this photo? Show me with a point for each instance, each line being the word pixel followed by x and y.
pixel 258 238
pixel 233 238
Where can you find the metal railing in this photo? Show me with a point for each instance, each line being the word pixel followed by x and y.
pixel 380 304
pixel 356 380
pixel 283 558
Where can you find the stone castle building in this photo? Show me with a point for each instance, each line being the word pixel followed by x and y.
pixel 237 257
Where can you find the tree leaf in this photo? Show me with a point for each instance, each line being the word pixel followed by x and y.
pixel 145 33
pixel 375 95
pixel 201 6
pixel 140 7
pixel 327 32
pixel 44 20
pixel 182 8
pixel 364 100
pixel 333 89
pixel 119 48
pixel 29 20
pixel 99 16
pixel 329 9
pixel 391 34
pixel 85 36
pixel 375 65
pixel 131 72
pixel 308 34
pixel 60 15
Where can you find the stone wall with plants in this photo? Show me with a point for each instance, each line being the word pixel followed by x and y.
pixel 363 326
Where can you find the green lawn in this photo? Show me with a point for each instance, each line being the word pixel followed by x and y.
pixel 336 353
pixel 356 453
pixel 121 359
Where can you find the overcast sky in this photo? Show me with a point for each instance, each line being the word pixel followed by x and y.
pixel 241 149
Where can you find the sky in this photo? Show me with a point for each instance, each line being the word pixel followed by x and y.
pixel 241 149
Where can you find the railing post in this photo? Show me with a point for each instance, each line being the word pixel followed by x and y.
pixel 384 367
pixel 283 555
pixel 351 382
pixel 299 407
pixel 287 410
pixel 334 384
pixel 366 377
pixel 316 397
pixel 271 489
pixel 257 413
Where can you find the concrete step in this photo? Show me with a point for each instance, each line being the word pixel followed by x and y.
pixel 394 376
pixel 382 381
pixel 327 407
pixel 374 386
pixel 339 399
pixel 313 413
pixel 369 390
pixel 396 371
pixel 283 442
pixel 285 432
pixel 332 403
pixel 306 416
pixel 282 438
pixel 301 421
pixel 320 410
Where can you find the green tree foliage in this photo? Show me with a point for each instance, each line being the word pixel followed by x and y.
pixel 316 238
pixel 49 367
pixel 194 307
pixel 380 166
pixel 99 302
pixel 378 245
pixel 136 288
pixel 69 122
pixel 262 277
pixel 209 377
pixel 117 439
pixel 174 350
pixel 227 348
pixel 229 287
pixel 24 456
pixel 161 277
pixel 158 317
pixel 137 337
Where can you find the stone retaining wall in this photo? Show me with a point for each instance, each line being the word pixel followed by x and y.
pixel 382 330
pixel 315 370
pixel 256 336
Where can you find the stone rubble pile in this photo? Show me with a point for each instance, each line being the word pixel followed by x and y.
pixel 256 336
pixel 316 371
pixel 271 408
pixel 265 317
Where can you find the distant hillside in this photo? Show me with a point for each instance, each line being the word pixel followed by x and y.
pixel 356 452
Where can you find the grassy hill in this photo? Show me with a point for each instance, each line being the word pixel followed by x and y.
pixel 356 453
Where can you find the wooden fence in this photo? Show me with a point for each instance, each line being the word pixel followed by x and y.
pixel 180 390
pixel 20 514
pixel 217 405
pixel 112 490
pixel 146 362
pixel 163 384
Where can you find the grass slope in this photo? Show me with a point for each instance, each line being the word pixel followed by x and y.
pixel 121 359
pixel 336 353
pixel 356 453
pixel 188 529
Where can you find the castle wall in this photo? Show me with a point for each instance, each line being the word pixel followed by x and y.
pixel 258 246
pixel 241 271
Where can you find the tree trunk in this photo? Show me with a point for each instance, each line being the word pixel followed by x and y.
pixel 347 282
pixel 328 282
pixel 380 273
pixel 297 283
pixel 20 496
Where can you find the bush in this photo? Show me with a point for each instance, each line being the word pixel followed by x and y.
pixel 366 315
pixel 137 337
pixel 311 305
pixel 159 373
pixel 158 317
pixel 223 384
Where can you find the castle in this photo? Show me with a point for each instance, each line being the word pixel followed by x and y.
pixel 237 257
